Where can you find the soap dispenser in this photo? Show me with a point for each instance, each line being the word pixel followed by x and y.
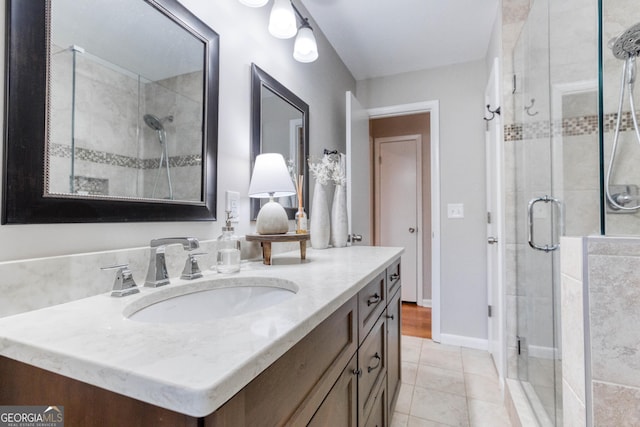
pixel 228 259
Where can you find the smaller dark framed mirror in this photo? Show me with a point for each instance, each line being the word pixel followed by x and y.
pixel 279 124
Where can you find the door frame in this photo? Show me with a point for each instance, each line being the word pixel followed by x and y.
pixel 433 108
pixel 496 343
pixel 417 140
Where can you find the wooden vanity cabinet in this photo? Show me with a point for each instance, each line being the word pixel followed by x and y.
pixel 290 391
pixel 345 372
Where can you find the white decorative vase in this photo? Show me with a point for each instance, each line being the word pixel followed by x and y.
pixel 320 228
pixel 339 224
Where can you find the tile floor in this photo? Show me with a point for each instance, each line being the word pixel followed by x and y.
pixel 444 385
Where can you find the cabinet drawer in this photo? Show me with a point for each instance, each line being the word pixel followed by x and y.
pixel 371 302
pixel 372 366
pixel 379 416
pixel 393 277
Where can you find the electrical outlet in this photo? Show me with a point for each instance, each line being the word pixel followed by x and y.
pixel 455 210
pixel 231 201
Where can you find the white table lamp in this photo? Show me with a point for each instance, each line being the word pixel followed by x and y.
pixel 270 178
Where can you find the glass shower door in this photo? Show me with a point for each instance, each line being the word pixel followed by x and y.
pixel 538 217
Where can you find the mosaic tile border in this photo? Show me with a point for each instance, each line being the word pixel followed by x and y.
pixel 112 159
pixel 92 186
pixel 574 126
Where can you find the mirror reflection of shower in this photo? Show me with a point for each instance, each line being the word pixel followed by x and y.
pixel 626 47
pixel 158 125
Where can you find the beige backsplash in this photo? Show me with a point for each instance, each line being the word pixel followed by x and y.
pixel 31 284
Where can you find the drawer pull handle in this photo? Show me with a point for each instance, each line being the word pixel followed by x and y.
pixel 390 316
pixel 374 299
pixel 378 359
pixel 357 372
pixel 394 276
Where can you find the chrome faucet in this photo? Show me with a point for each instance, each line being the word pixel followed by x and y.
pixel 124 284
pixel 157 274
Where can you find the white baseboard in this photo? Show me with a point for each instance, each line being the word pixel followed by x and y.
pixel 425 303
pixel 461 341
pixel 541 352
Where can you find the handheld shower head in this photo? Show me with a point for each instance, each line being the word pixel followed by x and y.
pixel 153 122
pixel 627 44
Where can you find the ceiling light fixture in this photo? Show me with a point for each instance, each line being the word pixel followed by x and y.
pixel 282 21
pixel 254 3
pixel 283 25
pixel 305 48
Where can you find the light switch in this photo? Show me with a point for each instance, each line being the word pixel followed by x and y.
pixel 455 210
pixel 231 199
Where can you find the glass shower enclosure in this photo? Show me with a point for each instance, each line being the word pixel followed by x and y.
pixel 556 188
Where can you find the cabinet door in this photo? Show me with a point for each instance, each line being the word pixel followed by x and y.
pixel 339 407
pixel 394 321
pixel 371 302
pixel 372 365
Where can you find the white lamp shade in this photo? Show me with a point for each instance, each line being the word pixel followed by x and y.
pixel 282 21
pixel 270 177
pixel 305 49
pixel 254 3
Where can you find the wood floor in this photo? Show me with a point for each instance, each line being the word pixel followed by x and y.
pixel 416 321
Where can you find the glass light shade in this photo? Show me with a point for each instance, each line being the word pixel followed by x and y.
pixel 305 48
pixel 270 177
pixel 254 3
pixel 282 21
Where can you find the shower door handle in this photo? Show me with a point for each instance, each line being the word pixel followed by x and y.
pixel 532 202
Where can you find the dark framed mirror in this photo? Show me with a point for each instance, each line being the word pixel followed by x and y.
pixel 279 124
pixel 111 112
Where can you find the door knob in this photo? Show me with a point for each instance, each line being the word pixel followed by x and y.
pixel 355 238
pixel 412 230
pixel 492 240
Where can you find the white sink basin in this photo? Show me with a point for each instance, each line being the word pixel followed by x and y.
pixel 209 300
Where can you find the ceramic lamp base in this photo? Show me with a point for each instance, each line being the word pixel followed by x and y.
pixel 272 219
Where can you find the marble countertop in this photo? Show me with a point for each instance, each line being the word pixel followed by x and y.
pixel 191 368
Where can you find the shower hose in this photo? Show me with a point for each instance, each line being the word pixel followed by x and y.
pixel 627 81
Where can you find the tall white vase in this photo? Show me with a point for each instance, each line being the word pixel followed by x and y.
pixel 320 228
pixel 339 222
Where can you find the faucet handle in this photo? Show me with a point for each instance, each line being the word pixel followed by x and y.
pixel 191 268
pixel 124 284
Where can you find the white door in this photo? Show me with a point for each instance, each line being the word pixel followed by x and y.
pixel 358 171
pixel 495 242
pixel 397 199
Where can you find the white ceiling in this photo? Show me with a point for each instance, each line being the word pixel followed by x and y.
pixel 377 38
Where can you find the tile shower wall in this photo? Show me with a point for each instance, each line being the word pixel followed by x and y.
pixel 601 276
pixel 108 107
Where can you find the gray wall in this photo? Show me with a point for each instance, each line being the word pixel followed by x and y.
pixel 460 90
pixel 243 39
